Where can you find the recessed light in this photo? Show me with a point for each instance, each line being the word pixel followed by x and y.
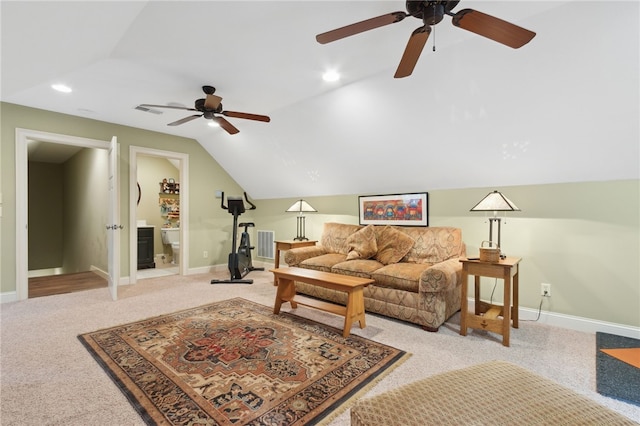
pixel 61 88
pixel 331 76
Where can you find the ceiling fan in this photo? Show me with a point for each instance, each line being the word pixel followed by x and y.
pixel 431 13
pixel 211 109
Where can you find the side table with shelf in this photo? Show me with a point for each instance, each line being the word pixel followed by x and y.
pixel 488 316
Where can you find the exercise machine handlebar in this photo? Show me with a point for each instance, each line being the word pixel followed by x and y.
pixel 236 201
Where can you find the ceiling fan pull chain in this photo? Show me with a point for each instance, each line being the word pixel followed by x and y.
pixel 434 27
pixel 434 38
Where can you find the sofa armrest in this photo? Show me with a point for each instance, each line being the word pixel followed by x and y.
pixel 443 276
pixel 297 255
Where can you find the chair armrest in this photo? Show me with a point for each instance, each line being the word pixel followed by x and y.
pixel 294 256
pixel 441 277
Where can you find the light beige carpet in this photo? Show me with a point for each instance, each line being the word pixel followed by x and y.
pixel 48 378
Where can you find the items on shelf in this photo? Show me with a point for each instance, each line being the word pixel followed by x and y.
pixel 169 186
pixel 170 207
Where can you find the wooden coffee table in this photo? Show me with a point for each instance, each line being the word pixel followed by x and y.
pixel 353 286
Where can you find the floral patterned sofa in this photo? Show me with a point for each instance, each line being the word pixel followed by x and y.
pixel 417 271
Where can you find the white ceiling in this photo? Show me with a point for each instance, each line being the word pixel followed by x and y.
pixel 474 113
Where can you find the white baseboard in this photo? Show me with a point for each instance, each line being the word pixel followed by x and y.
pixel 9 296
pixel 587 325
pixel 104 274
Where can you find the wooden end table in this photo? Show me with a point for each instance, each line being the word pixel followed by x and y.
pixel 288 245
pixel 487 316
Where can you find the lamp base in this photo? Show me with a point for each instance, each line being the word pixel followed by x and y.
pixel 300 225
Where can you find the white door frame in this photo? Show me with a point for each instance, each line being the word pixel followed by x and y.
pixel 23 137
pixel 134 151
pixel 114 226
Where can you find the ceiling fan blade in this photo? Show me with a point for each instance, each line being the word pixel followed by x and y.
pixel 360 27
pixel 167 106
pixel 492 28
pixel 248 116
pixel 184 120
pixel 212 102
pixel 412 52
pixel 230 128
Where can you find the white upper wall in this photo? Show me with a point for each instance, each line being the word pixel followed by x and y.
pixel 563 108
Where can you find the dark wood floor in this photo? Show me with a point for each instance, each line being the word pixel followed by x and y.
pixel 65 283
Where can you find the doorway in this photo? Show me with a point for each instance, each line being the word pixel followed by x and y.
pixel 23 139
pixel 181 162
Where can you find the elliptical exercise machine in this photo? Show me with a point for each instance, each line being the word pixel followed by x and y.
pixel 240 257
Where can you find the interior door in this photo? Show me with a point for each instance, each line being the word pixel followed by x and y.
pixel 113 225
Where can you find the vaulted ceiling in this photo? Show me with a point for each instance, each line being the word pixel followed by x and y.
pixel 563 108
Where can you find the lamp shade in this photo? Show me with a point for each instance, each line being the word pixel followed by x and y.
pixel 495 202
pixel 301 206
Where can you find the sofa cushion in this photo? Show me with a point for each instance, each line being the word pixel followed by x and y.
pixel 362 244
pixel 401 276
pixel 334 237
pixel 393 245
pixel 357 268
pixel 434 244
pixel 299 254
pixel 323 262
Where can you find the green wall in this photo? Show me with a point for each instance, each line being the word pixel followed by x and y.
pixel 582 238
pixel 46 215
pixel 86 196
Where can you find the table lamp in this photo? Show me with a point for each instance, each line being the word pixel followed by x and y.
pixel 495 202
pixel 301 206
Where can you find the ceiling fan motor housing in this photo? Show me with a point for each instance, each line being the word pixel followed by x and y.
pixel 430 12
pixel 202 108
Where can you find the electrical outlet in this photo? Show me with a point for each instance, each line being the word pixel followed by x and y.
pixel 545 290
pixel 205 254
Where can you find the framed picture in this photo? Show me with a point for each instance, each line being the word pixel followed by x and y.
pixel 395 209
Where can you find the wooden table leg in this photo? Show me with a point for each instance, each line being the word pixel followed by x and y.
pixel 514 312
pixel 359 301
pixel 348 317
pixel 506 309
pixel 355 310
pixel 285 293
pixel 276 264
pixel 476 300
pixel 464 304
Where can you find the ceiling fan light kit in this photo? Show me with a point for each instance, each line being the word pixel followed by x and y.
pixel 211 109
pixel 431 13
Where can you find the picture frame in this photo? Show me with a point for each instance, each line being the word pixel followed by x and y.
pixel 411 209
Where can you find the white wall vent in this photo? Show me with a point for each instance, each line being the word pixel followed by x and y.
pixel 266 245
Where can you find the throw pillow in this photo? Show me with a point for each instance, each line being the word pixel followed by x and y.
pixel 362 244
pixel 393 245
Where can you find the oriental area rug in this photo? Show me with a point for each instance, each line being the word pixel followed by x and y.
pixel 236 363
